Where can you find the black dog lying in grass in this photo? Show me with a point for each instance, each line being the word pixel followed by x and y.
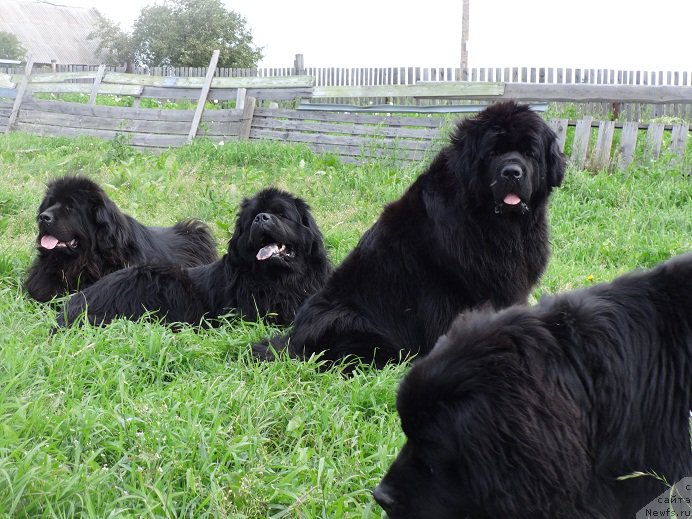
pixel 275 260
pixel 539 412
pixel 83 236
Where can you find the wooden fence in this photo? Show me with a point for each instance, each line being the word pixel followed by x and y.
pixel 371 76
pixel 353 137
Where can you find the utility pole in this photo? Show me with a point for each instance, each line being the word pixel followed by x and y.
pixel 464 65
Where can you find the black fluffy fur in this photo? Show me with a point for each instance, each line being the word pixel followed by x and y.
pixel 271 288
pixel 535 412
pixel 96 238
pixel 455 240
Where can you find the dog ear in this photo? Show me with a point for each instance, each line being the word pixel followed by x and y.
pixel 111 224
pixel 317 247
pixel 240 230
pixel 555 162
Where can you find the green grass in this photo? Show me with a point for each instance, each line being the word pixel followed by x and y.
pixel 135 420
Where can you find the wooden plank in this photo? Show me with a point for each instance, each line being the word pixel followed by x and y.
pixel 606 93
pixel 654 137
pixel 604 142
pixel 389 109
pixel 83 88
pixel 240 98
pixel 96 85
pixel 127 113
pixel 56 77
pixel 204 93
pixel 678 138
pixel 20 95
pixel 346 129
pixel 446 89
pixel 340 140
pixel 217 82
pixel 154 114
pixel 138 139
pixel 628 143
pixel 432 122
pixel 246 120
pixel 580 146
pixel 559 126
pixel 100 123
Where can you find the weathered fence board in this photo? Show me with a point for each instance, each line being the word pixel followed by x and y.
pixel 678 138
pixel 582 136
pixel 561 131
pixel 604 141
pixel 628 143
pixel 654 136
pixel 345 129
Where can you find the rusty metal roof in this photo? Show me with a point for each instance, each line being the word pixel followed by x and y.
pixel 50 31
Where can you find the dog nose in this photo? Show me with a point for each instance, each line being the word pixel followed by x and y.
pixel 45 217
pixel 512 171
pixel 262 218
pixel 383 497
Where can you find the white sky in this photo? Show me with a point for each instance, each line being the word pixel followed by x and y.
pixel 620 34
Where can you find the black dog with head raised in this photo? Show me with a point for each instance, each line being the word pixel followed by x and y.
pixel 472 230
pixel 275 260
pixel 82 236
pixel 544 412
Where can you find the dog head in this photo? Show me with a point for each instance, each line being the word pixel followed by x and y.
pixel 76 215
pixel 508 156
pixel 275 230
pixel 484 437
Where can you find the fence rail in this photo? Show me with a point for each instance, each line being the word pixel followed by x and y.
pixel 371 76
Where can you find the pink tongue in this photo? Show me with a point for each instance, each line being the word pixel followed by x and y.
pixel 512 199
pixel 267 252
pixel 49 242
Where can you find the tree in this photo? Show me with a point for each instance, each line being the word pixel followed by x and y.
pixel 115 46
pixel 10 47
pixel 181 33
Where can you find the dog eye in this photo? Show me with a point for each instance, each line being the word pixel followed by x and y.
pixel 530 154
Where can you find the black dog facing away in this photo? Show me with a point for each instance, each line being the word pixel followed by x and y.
pixel 275 260
pixel 542 412
pixel 472 230
pixel 82 236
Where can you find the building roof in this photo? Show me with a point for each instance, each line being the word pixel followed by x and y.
pixel 50 31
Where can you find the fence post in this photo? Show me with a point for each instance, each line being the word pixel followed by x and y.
pixel 96 85
pixel 203 96
pixel 20 94
pixel 299 65
pixel 246 119
pixel 240 98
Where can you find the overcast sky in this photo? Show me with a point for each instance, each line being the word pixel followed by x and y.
pixel 624 34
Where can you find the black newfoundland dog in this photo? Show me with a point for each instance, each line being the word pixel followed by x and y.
pixel 275 260
pixel 542 412
pixel 82 236
pixel 471 230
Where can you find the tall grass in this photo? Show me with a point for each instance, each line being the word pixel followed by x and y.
pixel 134 420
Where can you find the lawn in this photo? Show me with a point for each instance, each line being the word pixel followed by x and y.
pixel 134 420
